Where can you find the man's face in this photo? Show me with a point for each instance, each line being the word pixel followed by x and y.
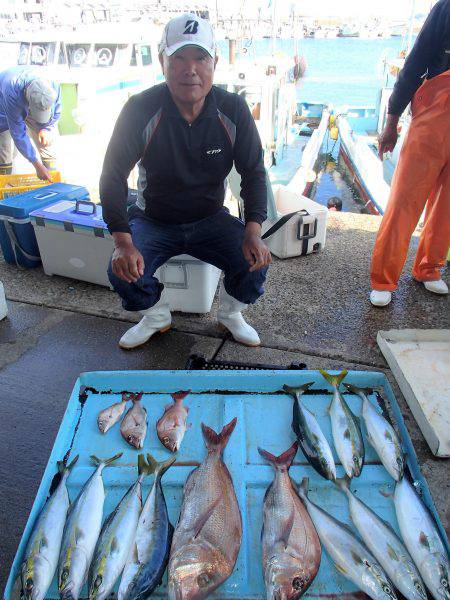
pixel 189 74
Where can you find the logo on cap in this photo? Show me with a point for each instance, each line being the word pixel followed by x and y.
pixel 191 27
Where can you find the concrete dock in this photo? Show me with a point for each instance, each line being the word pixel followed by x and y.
pixel 315 310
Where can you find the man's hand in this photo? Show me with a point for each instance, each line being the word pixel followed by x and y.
pixel 255 250
pixel 42 172
pixel 127 262
pixel 45 137
pixel 389 136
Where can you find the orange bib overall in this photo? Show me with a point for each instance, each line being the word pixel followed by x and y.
pixel 422 177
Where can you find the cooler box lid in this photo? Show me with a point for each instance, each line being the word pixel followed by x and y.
pixel 21 205
pixel 81 213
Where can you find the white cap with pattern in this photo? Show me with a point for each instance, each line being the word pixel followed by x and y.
pixel 187 30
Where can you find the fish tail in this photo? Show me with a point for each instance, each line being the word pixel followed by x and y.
pixel 136 397
pixel 159 468
pixel 177 396
pixel 334 380
pixel 105 461
pixel 282 461
pixel 343 483
pixel 303 488
pixel 299 390
pixel 354 389
pixel 215 440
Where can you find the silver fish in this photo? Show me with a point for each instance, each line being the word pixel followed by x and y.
pixel 347 436
pixel 134 424
pixel 310 437
pixel 385 545
pixel 351 558
pixel 422 539
pixel 116 538
pixel 171 427
pixel 381 435
pixel 149 552
pixel 111 415
pixel 81 532
pixel 41 555
pixel 291 550
pixel 208 534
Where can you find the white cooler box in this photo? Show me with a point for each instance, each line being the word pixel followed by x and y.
pixel 300 227
pixel 74 242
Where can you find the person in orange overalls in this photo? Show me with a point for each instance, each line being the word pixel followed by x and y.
pixel 422 176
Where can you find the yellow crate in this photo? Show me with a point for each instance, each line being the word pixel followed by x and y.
pixel 11 185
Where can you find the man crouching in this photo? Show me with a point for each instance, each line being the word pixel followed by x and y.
pixel 185 135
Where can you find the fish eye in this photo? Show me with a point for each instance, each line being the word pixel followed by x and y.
pixel 444 582
pixel 297 583
pixel 98 582
pixel 29 583
pixel 203 580
pixel 356 459
pixel 130 438
pixel 64 575
pixel 386 589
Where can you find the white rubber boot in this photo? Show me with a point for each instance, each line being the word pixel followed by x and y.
pixel 229 316
pixel 380 297
pixel 156 319
pixel 437 287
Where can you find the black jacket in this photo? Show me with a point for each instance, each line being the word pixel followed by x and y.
pixel 182 167
pixel 430 56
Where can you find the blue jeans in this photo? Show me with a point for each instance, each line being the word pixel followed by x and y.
pixel 216 240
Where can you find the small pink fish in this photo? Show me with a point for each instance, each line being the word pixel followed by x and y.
pixel 111 415
pixel 171 427
pixel 134 424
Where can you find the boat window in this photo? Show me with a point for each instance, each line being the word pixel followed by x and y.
pixel 123 53
pixel 253 95
pixel 42 53
pixel 62 58
pixel 133 60
pixel 146 55
pixel 104 54
pixel 78 54
pixel 24 53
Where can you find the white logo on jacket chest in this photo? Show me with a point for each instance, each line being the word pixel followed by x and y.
pixel 214 151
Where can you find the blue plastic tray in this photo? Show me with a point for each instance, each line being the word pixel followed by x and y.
pixel 264 419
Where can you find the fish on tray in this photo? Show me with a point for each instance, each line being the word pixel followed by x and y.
pixel 310 437
pixel 116 538
pixel 421 537
pixel 291 550
pixel 42 552
pixel 381 435
pixel 351 558
pixel 385 545
pixel 111 415
pixel 81 532
pixel 134 424
pixel 149 552
pixel 208 534
pixel 347 435
pixel 171 427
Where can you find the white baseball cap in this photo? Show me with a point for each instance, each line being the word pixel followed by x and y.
pixel 187 30
pixel 40 96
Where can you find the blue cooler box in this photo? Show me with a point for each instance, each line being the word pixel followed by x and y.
pixel 17 238
pixel 74 241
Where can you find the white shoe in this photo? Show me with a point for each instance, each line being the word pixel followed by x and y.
pixel 156 319
pixel 380 297
pixel 437 287
pixel 230 317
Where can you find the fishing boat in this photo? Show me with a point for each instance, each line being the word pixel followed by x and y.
pixel 98 68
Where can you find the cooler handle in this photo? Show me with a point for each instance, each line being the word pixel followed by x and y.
pixel 86 203
pixel 47 195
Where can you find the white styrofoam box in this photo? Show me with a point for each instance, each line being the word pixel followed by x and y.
pixel 304 232
pixel 84 253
